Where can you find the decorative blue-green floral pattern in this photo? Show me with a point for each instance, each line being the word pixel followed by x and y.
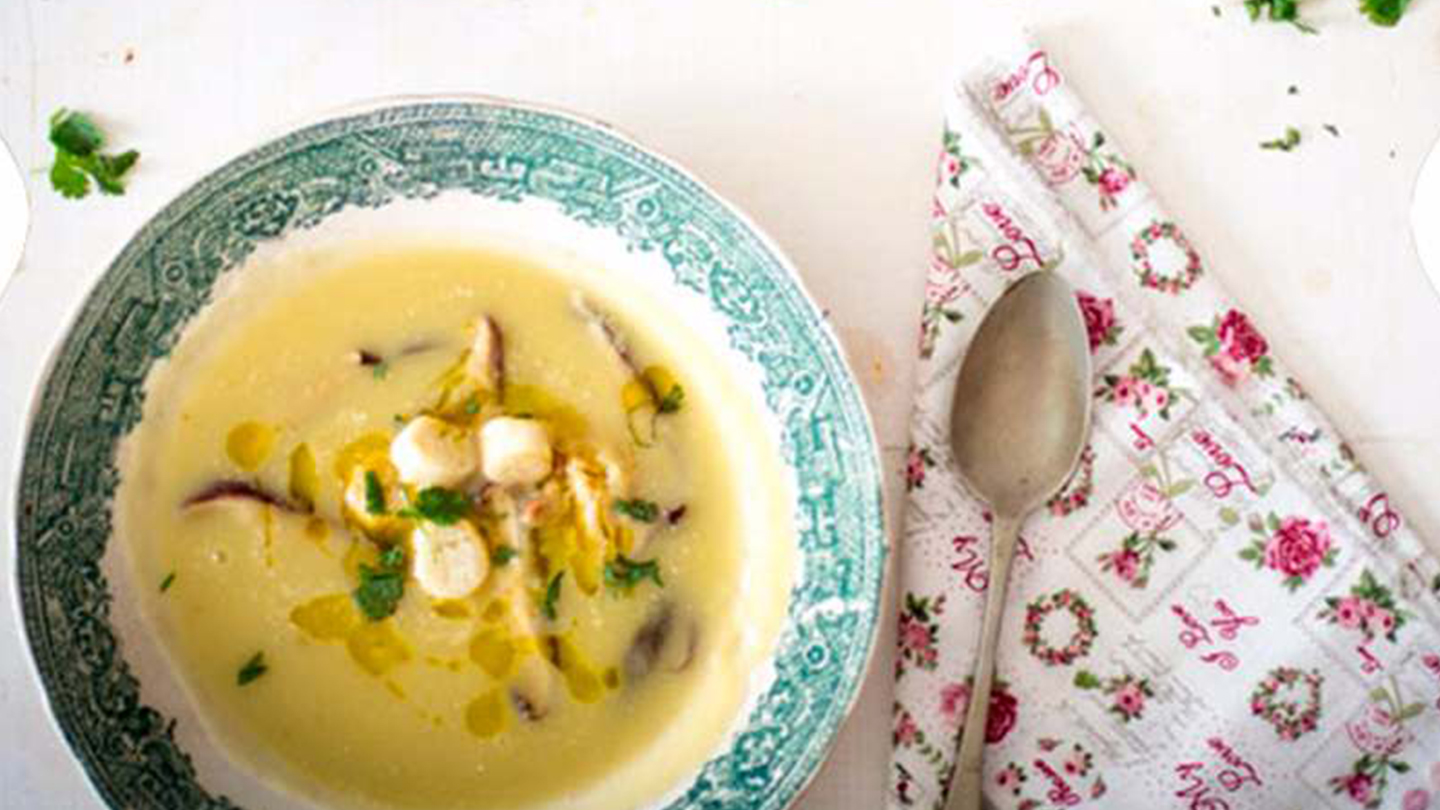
pixel 93 396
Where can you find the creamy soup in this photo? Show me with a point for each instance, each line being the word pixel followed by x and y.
pixel 439 528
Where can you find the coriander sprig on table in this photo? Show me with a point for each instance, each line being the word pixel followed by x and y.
pixel 78 158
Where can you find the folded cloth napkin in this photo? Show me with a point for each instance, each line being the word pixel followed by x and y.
pixel 1221 609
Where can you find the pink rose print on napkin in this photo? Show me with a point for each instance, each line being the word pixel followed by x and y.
pixel 1296 547
pixel 1144 387
pixel 919 626
pixel 1100 323
pixel 1234 347
pixel 1004 709
pixel 1370 608
pixel 1380 736
pixel 1127 693
pixel 1146 508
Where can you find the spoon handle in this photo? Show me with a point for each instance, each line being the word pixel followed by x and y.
pixel 967 782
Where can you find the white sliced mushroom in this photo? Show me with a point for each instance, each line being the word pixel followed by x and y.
pixel 533 684
pixel 515 452
pixel 486 361
pixel 431 452
pixel 450 561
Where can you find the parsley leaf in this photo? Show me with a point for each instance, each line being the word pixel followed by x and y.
pixel 1384 12
pixel 75 133
pixel 438 505
pixel 393 558
pixel 379 592
pixel 380 370
pixel 78 159
pixel 671 400
pixel 552 596
pixel 374 494
pixel 252 669
pixel 381 588
pixel 1279 11
pixel 623 573
pixel 167 582
pixel 503 554
pixel 639 509
pixel 1285 144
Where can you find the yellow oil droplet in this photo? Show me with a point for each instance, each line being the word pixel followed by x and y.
pixel 496 610
pixel 377 648
pixel 583 681
pixel 451 609
pixel 317 529
pixel 634 395
pixel 493 650
pixel 371 450
pixel 532 401
pixel 249 444
pixel 304 477
pixel 328 618
pixel 488 714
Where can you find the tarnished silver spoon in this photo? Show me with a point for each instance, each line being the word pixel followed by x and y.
pixel 1020 418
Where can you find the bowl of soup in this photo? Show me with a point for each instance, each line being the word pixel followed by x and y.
pixel 446 455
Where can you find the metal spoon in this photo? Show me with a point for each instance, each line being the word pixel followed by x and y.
pixel 1021 415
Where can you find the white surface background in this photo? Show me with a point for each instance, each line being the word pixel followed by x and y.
pixel 820 118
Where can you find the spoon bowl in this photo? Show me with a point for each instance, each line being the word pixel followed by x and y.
pixel 1020 418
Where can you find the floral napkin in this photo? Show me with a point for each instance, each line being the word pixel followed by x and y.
pixel 1221 609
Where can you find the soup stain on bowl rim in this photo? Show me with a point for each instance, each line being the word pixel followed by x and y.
pixel 843 422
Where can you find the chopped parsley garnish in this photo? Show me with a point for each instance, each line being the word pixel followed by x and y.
pixel 623 573
pixel 671 400
pixel 1278 11
pixel 552 597
pixel 638 509
pixel 1384 12
pixel 393 558
pixel 1285 144
pixel 167 582
pixel 253 669
pixel 374 494
pixel 503 554
pixel 381 588
pixel 472 405
pixel 438 505
pixel 78 158
pixel 380 370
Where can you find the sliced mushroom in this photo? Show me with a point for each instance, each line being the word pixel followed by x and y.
pixel 665 642
pixel 532 689
pixel 485 363
pixel 233 490
pixel 605 329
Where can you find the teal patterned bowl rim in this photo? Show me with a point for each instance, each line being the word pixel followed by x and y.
pixel 92 395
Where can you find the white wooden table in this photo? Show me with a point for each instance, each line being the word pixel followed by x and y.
pixel 819 117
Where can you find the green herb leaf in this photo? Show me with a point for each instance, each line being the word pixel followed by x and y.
pixel 1287 11
pixel 393 559
pixel 503 554
pixel 68 178
pixel 379 593
pixel 253 669
pixel 1384 12
pixel 77 143
pixel 552 597
pixel 380 370
pixel 1285 144
pixel 438 505
pixel 1085 679
pixel 374 494
pixel 623 573
pixel 671 400
pixel 167 582
pixel 472 405
pixel 75 133
pixel 638 509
